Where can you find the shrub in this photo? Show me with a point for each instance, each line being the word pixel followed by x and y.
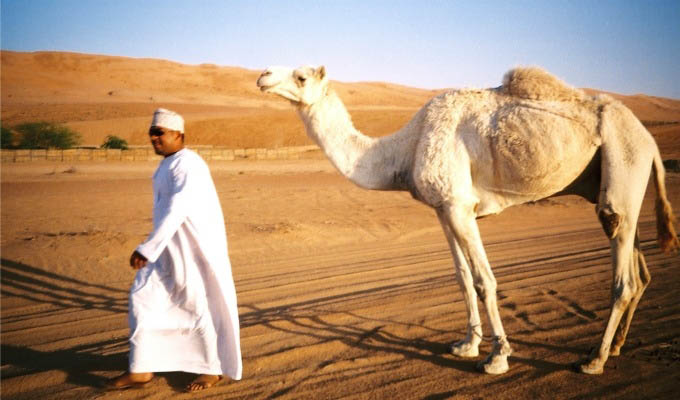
pixel 46 135
pixel 114 142
pixel 7 139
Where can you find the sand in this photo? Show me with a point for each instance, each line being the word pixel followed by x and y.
pixel 343 292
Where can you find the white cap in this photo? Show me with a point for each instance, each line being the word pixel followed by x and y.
pixel 168 119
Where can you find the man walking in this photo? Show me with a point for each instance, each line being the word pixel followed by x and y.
pixel 183 314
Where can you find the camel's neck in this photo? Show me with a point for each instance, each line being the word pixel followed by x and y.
pixel 372 163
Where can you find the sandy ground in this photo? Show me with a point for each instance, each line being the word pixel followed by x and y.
pixel 343 293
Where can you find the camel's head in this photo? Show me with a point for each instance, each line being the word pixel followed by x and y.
pixel 303 86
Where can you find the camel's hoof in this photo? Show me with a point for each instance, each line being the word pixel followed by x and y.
pixel 494 365
pixel 464 349
pixel 615 351
pixel 497 361
pixel 590 367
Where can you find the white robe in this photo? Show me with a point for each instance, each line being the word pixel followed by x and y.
pixel 183 314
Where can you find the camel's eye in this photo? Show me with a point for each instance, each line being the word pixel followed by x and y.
pixel 301 79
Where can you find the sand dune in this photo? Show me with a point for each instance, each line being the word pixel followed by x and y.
pixel 104 95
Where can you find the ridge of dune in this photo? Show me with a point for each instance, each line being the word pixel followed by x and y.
pixel 101 95
pixel 647 108
pixel 62 77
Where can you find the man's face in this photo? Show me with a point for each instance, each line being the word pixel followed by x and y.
pixel 165 141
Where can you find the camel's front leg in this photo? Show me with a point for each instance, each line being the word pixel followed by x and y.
pixel 468 347
pixel 461 220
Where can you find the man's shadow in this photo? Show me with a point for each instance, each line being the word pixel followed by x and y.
pixel 37 287
pixel 46 293
pixel 77 362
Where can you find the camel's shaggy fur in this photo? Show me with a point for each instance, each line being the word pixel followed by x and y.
pixel 470 153
pixel 536 84
pixel 665 220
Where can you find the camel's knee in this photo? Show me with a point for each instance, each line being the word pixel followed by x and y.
pixel 623 293
pixel 485 288
pixel 611 221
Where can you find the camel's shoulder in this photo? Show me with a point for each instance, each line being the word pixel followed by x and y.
pixel 444 110
pixel 457 100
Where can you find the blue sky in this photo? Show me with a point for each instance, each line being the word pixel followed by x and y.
pixel 622 46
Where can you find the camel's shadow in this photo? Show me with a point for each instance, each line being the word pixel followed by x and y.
pixel 368 334
pixel 303 319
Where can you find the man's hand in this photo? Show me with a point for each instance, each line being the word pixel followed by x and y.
pixel 137 261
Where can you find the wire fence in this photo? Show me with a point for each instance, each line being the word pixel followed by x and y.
pixel 147 154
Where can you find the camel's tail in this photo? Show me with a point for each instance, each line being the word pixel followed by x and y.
pixel 665 220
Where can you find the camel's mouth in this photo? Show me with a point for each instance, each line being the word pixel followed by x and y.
pixel 283 92
pixel 265 83
pixel 268 88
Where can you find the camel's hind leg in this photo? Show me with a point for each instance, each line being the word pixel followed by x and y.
pixel 643 278
pixel 627 155
pixel 468 347
pixel 624 288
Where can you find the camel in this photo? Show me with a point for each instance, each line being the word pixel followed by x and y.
pixel 471 153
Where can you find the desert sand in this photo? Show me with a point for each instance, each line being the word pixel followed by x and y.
pixel 343 292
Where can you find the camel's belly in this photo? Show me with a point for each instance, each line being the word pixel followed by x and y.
pixel 535 152
pixel 515 185
pixel 516 154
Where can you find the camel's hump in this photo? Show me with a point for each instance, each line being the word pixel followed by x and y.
pixel 536 84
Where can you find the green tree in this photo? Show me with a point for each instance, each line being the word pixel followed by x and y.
pixel 7 139
pixel 46 135
pixel 114 142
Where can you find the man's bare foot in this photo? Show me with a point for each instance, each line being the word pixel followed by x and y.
pixel 204 382
pixel 130 379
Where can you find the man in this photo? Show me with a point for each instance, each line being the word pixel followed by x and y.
pixel 183 314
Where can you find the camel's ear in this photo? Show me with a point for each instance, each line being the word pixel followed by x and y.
pixel 321 72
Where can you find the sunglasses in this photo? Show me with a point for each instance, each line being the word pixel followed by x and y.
pixel 156 132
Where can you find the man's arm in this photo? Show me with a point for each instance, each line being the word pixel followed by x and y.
pixel 173 216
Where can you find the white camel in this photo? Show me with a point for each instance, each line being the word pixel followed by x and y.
pixel 471 153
